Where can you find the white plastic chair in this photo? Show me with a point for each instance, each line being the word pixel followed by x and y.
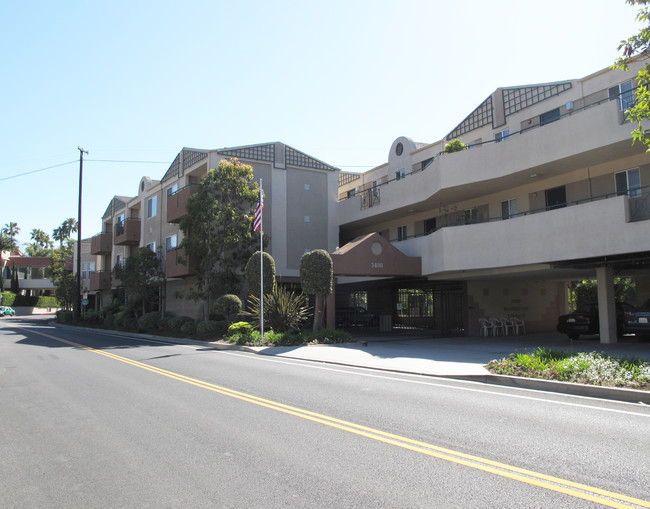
pixel 508 326
pixel 520 326
pixel 498 326
pixel 487 327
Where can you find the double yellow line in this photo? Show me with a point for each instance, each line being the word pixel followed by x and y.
pixel 566 487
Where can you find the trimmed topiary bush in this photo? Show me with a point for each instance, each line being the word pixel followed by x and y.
pixel 63 316
pixel 228 305
pixel 177 322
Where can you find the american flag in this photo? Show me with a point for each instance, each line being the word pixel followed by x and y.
pixel 257 223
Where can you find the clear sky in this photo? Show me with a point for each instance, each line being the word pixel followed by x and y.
pixel 139 80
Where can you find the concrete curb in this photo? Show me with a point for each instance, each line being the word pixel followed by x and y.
pixel 592 391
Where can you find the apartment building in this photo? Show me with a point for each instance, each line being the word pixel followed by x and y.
pixel 550 189
pixel 300 214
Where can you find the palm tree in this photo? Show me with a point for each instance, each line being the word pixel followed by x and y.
pixel 67 228
pixel 10 230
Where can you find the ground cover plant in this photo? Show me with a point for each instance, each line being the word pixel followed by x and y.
pixel 594 368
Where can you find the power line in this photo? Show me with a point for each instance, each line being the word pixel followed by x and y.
pixel 93 160
pixel 36 171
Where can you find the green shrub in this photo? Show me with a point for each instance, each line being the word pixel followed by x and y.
pixel 8 298
pixel 284 311
pixel 112 308
pixel 454 145
pixel 63 316
pixel 188 328
pixel 228 305
pixel 239 328
pixel 211 329
pixel 149 321
pixel 92 316
pixel 166 323
pixel 109 321
pixel 328 336
pixel 177 322
pixel 47 301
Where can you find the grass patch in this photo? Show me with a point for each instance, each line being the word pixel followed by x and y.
pixel 594 368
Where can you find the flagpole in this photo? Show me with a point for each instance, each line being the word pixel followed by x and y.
pixel 261 265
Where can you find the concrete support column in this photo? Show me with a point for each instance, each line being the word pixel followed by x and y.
pixel 606 304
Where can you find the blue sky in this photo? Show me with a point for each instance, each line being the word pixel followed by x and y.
pixel 340 80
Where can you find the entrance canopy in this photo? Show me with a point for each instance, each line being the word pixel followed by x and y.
pixel 372 255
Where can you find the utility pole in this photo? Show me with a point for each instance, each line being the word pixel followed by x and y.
pixel 81 172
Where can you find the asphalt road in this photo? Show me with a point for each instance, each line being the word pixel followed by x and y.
pixel 93 420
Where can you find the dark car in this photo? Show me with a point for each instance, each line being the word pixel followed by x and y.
pixel 355 317
pixel 585 320
pixel 637 320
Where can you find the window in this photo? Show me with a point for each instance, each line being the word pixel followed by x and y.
pixel 549 116
pixel 351 193
pixel 152 206
pixel 307 187
pixel 399 174
pixel 502 135
pixel 628 182
pixel 152 247
pixel 86 269
pixel 401 233
pixel 119 261
pixel 508 208
pixel 471 216
pixel 624 94
pixel 429 225
pixel 555 198
pixel 171 243
pixel 171 190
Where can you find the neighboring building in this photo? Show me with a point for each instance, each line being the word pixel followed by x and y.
pixel 34 274
pixel 551 190
pixel 299 215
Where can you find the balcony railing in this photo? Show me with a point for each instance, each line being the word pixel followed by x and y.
pixel 428 163
pixel 177 202
pixel 177 264
pixel 637 209
pixel 127 232
pixel 100 280
pixel 101 244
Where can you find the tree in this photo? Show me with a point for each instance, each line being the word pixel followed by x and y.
pixel 15 286
pixel 64 281
pixel 218 230
pixel 252 273
pixel 67 228
pixel 141 274
pixel 41 245
pixel 638 46
pixel 10 231
pixel 317 278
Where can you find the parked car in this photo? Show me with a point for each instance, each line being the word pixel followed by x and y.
pixel 637 320
pixel 585 320
pixel 355 317
pixel 7 311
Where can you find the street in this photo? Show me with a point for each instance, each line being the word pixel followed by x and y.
pixel 91 419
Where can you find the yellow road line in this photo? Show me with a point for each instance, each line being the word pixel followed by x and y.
pixel 574 489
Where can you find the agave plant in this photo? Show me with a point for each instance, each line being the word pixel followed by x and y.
pixel 284 311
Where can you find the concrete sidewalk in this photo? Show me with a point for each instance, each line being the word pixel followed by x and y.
pixel 465 358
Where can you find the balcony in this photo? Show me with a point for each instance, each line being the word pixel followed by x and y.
pixel 101 244
pixel 178 265
pixel 177 202
pixel 100 280
pixel 597 229
pixel 127 232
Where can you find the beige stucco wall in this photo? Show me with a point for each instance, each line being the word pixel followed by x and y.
pixel 537 302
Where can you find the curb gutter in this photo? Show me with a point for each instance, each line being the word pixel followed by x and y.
pixel 592 391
